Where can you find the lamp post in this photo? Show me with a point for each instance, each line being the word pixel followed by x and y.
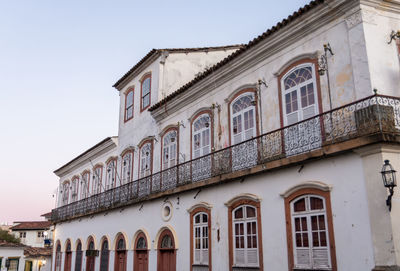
pixel 389 181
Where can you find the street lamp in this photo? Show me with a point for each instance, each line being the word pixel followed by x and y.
pixel 389 181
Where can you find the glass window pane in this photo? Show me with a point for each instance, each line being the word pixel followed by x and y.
pixel 300 205
pixel 239 213
pixel 250 211
pixel 316 203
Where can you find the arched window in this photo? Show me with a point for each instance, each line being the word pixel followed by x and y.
pixel 78 257
pixel 146 153
pixel 201 136
pixel 245 244
pixel 245 237
pixel 141 253
pixel 299 94
pixel 75 186
pixel 200 237
pixel 85 184
pixel 111 174
pixel 58 258
pixel 97 179
pixel 243 117
pixel 120 254
pixel 65 192
pixel 310 233
pixel 129 104
pixel 145 91
pixel 127 165
pixel 105 255
pixel 169 149
pixel 68 257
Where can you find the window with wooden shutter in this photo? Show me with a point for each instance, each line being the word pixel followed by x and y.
pixel 145 160
pixel 169 152
pixel 201 133
pixel 126 168
pixel 299 94
pixel 75 187
pixel 65 192
pixel 243 122
pixel 97 180
pixel 110 174
pixel 85 184
pixel 245 240
pixel 200 239
pixel 129 105
pixel 310 233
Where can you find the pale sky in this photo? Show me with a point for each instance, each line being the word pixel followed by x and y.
pixel 59 60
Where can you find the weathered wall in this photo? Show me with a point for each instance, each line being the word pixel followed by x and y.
pixel 350 216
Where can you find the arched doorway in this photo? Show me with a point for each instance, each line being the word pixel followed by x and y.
pixel 166 252
pixel 120 254
pixel 141 253
pixel 68 257
pixel 90 255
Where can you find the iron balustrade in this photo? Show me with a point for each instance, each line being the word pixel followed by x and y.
pixel 374 114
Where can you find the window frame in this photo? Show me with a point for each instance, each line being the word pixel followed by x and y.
pixel 126 107
pixel 236 96
pixel 75 186
pixel 130 166
pixel 142 80
pixel 100 181
pixel 233 206
pixel 164 134
pixel 193 120
pixel 329 218
pixel 66 185
pixel 147 141
pixel 107 181
pixel 286 71
pixel 86 195
pixel 193 213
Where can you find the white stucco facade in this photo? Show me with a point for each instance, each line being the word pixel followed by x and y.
pixel 361 232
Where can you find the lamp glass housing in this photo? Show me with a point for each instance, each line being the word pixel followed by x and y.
pixel 388 175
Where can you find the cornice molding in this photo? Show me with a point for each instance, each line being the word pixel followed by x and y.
pixel 86 157
pixel 273 45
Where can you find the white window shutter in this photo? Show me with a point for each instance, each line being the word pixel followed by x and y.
pixel 239 257
pixel 309 112
pixel 320 257
pixel 303 257
pixel 292 118
pixel 204 256
pixel 252 257
pixel 237 138
pixel 197 255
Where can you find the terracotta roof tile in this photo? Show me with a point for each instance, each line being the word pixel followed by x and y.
pixel 31 225
pixel 237 53
pixel 37 251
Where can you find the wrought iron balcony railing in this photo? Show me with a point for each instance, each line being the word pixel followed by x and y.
pixel 376 114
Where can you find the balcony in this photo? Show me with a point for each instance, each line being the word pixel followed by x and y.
pixel 371 120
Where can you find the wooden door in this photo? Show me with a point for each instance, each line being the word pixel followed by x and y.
pixel 90 263
pixel 141 260
pixel 166 252
pixel 120 261
pixel 67 265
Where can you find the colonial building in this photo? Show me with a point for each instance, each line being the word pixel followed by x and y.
pixel 264 156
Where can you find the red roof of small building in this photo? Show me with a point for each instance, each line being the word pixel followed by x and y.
pixel 37 251
pixel 31 225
